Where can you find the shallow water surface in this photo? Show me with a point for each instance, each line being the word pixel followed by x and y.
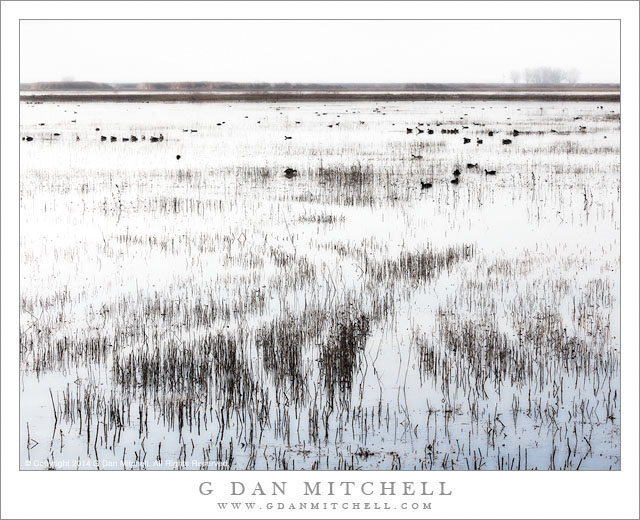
pixel 210 312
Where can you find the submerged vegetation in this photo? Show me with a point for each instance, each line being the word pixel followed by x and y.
pixel 364 312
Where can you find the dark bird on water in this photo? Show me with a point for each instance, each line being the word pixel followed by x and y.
pixel 97 129
pixel 425 185
pixel 490 134
pixel 290 173
pixel 154 139
pixel 506 141
pixel 471 165
pixel 113 138
pixel 455 181
pixel 178 157
pixel 479 141
pixel 134 138
pixel 124 139
pixel 456 173
pixel 489 172
pixel 465 140
pixel 103 138
pixel 287 137
pixel 430 131
pixel 420 131
pixel 515 133
pixel 29 138
pixel 409 130
pixel 416 156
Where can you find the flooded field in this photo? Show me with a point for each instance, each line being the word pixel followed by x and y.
pixel 362 285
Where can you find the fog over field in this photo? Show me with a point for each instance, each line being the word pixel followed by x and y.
pixel 321 51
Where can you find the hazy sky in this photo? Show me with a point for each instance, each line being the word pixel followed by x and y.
pixel 314 51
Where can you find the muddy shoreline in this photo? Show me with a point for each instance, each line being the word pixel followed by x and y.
pixel 281 97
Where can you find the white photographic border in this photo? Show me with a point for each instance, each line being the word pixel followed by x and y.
pixel 160 494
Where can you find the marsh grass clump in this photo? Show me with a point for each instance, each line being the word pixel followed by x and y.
pixel 354 176
pixel 419 266
pixel 283 343
pixel 180 378
pixel 321 218
pixel 486 352
pixel 339 353
pixel 294 270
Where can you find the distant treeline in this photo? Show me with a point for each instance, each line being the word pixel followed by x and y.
pixel 209 86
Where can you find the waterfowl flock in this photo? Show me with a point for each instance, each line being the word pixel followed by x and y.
pixel 417 129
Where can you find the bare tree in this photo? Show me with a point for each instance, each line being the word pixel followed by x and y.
pixel 515 76
pixel 550 75
pixel 572 76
